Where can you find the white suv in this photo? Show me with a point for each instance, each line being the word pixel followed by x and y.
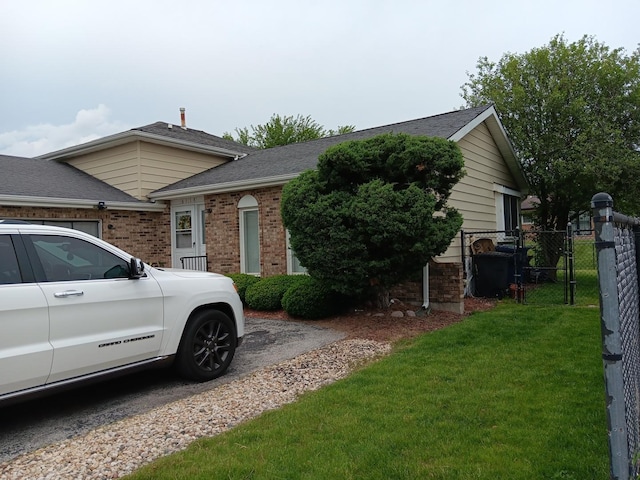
pixel 74 308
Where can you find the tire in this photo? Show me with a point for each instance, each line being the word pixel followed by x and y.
pixel 207 346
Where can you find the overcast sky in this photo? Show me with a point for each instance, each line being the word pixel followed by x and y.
pixel 73 71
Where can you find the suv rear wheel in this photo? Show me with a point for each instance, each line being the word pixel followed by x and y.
pixel 207 347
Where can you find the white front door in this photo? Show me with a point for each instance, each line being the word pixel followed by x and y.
pixel 187 226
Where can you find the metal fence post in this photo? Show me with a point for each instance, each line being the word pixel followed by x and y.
pixel 571 266
pixel 602 205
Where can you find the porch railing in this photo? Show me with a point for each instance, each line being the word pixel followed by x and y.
pixel 200 263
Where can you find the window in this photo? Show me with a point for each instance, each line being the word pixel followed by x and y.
pixel 203 222
pixel 507 210
pixel 293 264
pixel 510 210
pixel 9 270
pixel 249 235
pixel 183 229
pixel 72 259
pixel 582 224
pixel 92 227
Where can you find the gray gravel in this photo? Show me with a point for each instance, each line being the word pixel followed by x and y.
pixel 32 425
pixel 114 450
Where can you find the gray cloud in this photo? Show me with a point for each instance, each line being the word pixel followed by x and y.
pixel 233 64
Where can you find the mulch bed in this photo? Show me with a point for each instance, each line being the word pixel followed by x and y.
pixel 380 325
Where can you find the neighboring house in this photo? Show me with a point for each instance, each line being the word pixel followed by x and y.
pixel 581 223
pixel 202 195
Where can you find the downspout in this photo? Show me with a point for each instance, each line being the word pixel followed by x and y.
pixel 425 287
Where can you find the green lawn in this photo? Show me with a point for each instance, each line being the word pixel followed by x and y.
pixel 513 393
pixel 586 290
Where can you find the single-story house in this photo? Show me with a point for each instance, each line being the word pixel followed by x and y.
pixel 167 192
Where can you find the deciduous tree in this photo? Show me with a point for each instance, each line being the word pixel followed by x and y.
pixel 572 112
pixel 283 130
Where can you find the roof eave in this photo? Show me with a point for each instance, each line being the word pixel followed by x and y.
pixel 226 187
pixel 53 202
pixel 130 136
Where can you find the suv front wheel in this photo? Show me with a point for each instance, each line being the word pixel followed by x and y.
pixel 207 347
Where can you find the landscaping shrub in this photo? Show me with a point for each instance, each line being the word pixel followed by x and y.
pixel 312 299
pixel 243 281
pixel 267 293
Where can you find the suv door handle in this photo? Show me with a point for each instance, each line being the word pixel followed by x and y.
pixel 69 293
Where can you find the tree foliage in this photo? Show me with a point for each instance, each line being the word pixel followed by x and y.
pixel 374 212
pixel 283 130
pixel 572 112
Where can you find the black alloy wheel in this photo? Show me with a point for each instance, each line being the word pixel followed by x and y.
pixel 207 347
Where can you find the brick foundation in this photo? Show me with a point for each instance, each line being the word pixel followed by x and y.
pixel 446 288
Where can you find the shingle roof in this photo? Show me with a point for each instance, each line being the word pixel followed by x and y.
pixel 298 157
pixel 194 136
pixel 43 178
pixel 179 137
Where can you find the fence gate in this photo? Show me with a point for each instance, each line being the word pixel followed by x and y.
pixel 617 259
pixel 534 266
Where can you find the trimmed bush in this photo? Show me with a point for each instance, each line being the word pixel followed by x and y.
pixel 243 281
pixel 267 293
pixel 312 299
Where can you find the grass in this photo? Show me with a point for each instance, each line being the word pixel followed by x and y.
pixel 516 392
pixel 586 277
pixel 586 292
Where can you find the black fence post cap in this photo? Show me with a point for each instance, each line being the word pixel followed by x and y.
pixel 601 199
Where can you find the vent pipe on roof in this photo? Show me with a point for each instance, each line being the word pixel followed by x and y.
pixel 183 120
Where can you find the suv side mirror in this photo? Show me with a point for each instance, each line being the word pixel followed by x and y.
pixel 136 268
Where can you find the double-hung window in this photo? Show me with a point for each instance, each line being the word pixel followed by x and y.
pixel 249 235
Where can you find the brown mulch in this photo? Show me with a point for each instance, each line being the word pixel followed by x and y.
pixel 379 325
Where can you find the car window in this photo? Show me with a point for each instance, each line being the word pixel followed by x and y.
pixel 9 270
pixel 67 258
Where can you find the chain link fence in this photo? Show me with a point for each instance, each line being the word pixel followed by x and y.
pixel 616 238
pixel 532 266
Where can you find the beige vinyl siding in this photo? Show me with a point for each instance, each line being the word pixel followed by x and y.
pixel 161 166
pixel 474 195
pixel 117 166
pixel 138 167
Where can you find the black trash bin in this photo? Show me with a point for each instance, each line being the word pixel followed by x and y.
pixel 491 271
pixel 520 257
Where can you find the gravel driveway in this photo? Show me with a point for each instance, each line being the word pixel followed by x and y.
pixel 32 425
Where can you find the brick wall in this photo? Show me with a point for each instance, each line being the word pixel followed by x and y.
pixel 143 234
pixel 223 231
pixel 446 287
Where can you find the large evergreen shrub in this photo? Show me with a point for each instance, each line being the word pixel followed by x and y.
pixel 312 299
